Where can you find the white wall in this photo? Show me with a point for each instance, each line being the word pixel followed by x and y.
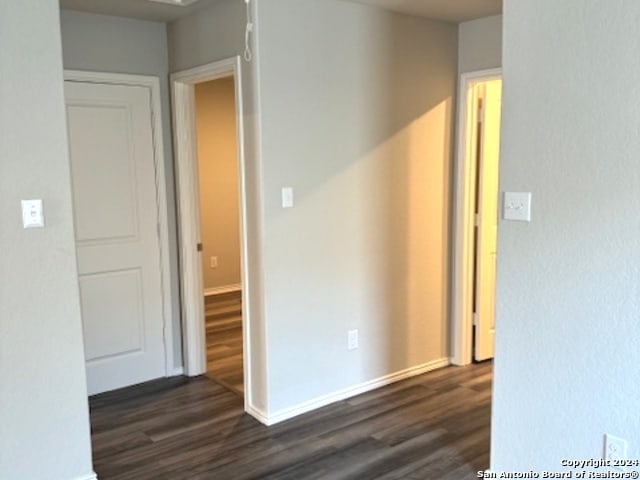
pixel 480 44
pixel 212 34
pixel 568 296
pixel 356 115
pixel 44 424
pixel 104 43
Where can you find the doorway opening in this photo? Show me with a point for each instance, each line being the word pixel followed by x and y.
pixel 477 194
pixel 211 193
pixel 217 147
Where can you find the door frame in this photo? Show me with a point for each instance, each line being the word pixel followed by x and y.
pixel 464 224
pixel 152 83
pixel 188 200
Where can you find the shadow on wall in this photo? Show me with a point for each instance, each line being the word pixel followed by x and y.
pixel 361 125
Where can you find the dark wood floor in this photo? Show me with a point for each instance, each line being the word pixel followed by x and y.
pixel 435 426
pixel 223 315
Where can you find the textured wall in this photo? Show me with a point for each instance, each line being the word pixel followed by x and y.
pixel 568 296
pixel 44 423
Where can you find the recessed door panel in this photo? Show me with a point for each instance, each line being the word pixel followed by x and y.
pixel 103 165
pixel 113 308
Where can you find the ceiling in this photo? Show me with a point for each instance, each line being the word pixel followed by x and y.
pixel 143 9
pixel 447 10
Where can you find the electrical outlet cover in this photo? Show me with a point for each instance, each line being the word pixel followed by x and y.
pixel 615 448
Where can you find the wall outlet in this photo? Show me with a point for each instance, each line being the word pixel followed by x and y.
pixel 352 340
pixel 213 262
pixel 615 448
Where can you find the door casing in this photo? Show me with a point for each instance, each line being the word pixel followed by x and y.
pixel 487 168
pixel 464 224
pixel 186 166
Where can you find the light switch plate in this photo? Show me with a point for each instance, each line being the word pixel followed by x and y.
pixel 32 214
pixel 352 340
pixel 287 197
pixel 517 206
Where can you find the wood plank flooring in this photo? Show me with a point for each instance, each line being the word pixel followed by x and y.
pixel 434 426
pixel 223 317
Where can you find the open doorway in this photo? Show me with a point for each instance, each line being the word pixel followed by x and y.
pixel 217 146
pixel 476 216
pixel 211 193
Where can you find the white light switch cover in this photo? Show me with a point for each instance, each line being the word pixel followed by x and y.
pixel 32 214
pixel 517 206
pixel 287 197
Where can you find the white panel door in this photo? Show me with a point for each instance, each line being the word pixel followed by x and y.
pixel 116 225
pixel 488 214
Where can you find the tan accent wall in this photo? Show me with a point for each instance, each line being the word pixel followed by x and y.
pixel 218 177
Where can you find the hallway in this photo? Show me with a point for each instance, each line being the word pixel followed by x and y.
pixel 434 426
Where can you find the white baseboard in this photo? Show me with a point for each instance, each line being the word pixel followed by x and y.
pixel 257 414
pixel 324 400
pixel 91 476
pixel 209 292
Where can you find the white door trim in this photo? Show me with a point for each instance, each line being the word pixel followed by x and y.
pixel 186 158
pixel 153 84
pixel 462 298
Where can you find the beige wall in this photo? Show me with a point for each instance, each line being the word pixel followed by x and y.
pixel 356 116
pixel 44 417
pixel 480 44
pixel 218 176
